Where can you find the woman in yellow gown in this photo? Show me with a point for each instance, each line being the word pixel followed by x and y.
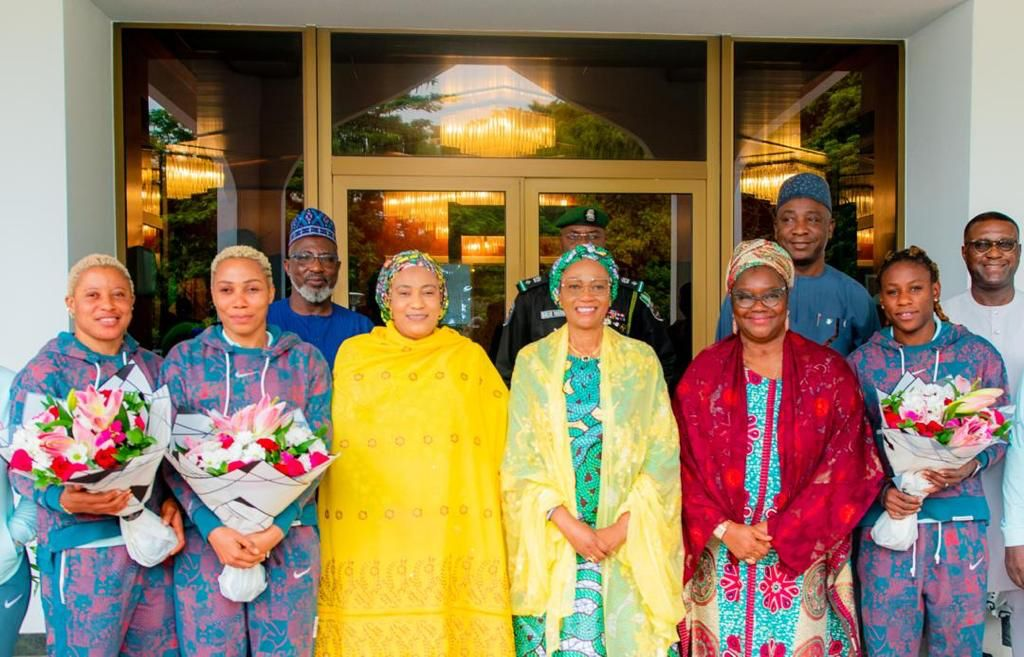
pixel 411 538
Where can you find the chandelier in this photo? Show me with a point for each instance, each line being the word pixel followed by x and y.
pixel 859 190
pixel 191 170
pixel 763 175
pixel 151 196
pixel 427 212
pixel 505 132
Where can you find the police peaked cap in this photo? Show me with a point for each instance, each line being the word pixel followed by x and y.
pixel 583 216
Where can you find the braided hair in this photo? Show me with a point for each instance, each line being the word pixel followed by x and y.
pixel 917 256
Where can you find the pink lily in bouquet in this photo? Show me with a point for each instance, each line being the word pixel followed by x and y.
pixel 260 432
pixel 89 430
pixel 954 413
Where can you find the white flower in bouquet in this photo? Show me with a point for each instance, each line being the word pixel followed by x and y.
pixel 296 435
pixel 252 453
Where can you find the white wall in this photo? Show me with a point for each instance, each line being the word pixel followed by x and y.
pixel 964 128
pixel 997 109
pixel 33 184
pixel 938 141
pixel 89 113
pixel 56 127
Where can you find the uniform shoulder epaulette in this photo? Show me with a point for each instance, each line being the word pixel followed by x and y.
pixel 527 283
pixel 630 283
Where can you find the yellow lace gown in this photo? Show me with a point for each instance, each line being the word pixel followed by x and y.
pixel 410 514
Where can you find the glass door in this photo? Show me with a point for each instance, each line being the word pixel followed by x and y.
pixel 469 225
pixel 654 234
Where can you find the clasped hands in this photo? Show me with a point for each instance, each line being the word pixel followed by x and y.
pixel 749 543
pixel 240 550
pixel 594 545
pixel 75 499
pixel 900 505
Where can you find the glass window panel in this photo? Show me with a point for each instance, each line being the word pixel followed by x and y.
pixel 463 230
pixel 213 157
pixel 651 238
pixel 518 97
pixel 830 109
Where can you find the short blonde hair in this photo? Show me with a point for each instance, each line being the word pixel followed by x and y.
pixel 92 261
pixel 245 252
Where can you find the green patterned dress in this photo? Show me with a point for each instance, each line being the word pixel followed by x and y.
pixel 582 633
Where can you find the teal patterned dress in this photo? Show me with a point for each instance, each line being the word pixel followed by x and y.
pixel 582 633
pixel 761 610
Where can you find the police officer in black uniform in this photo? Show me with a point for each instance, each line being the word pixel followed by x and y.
pixel 534 314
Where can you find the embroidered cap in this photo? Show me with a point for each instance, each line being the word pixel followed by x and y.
pixel 312 223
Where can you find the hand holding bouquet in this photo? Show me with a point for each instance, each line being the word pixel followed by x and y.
pixel 102 440
pixel 927 430
pixel 247 468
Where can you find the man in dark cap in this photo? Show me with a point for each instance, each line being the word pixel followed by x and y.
pixel 312 267
pixel 534 314
pixel 825 305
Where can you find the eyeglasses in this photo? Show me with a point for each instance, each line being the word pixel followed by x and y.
pixel 984 246
pixel 306 259
pixel 575 287
pixel 770 299
pixel 587 237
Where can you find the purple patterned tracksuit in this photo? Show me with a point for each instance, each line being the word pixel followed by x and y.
pixel 936 590
pixel 207 373
pixel 97 601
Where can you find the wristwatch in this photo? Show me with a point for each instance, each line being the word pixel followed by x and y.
pixel 721 529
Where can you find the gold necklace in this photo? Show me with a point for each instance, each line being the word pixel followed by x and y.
pixel 584 354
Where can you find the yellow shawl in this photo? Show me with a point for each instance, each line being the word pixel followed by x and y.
pixel 642 583
pixel 410 514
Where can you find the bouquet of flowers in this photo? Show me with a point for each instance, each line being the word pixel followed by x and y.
pixel 247 468
pixel 932 426
pixel 113 437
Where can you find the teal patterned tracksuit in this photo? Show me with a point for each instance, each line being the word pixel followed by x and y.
pixel 97 601
pixel 208 373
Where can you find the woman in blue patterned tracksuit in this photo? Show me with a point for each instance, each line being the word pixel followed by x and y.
pixel 17 528
pixel 224 369
pixel 935 590
pixel 97 601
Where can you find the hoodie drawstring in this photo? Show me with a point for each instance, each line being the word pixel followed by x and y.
pixel 227 381
pixel 938 546
pixel 99 373
pixel 935 369
pixel 263 378
pixel 913 559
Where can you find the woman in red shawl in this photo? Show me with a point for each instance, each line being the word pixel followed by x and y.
pixel 778 465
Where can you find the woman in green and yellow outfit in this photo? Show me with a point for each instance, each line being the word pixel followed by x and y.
pixel 590 483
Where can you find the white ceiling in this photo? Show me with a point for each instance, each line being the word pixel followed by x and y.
pixel 879 19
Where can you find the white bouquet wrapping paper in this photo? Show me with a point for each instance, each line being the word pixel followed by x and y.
pixel 246 500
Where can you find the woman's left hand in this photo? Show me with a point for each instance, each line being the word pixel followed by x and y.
pixel 170 513
pixel 950 477
pixel 615 535
pixel 267 540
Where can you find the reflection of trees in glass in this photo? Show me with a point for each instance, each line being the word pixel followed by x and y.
pixel 164 129
pixel 582 135
pixel 488 280
pixel 382 130
pixel 833 124
pixel 365 228
pixel 191 226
